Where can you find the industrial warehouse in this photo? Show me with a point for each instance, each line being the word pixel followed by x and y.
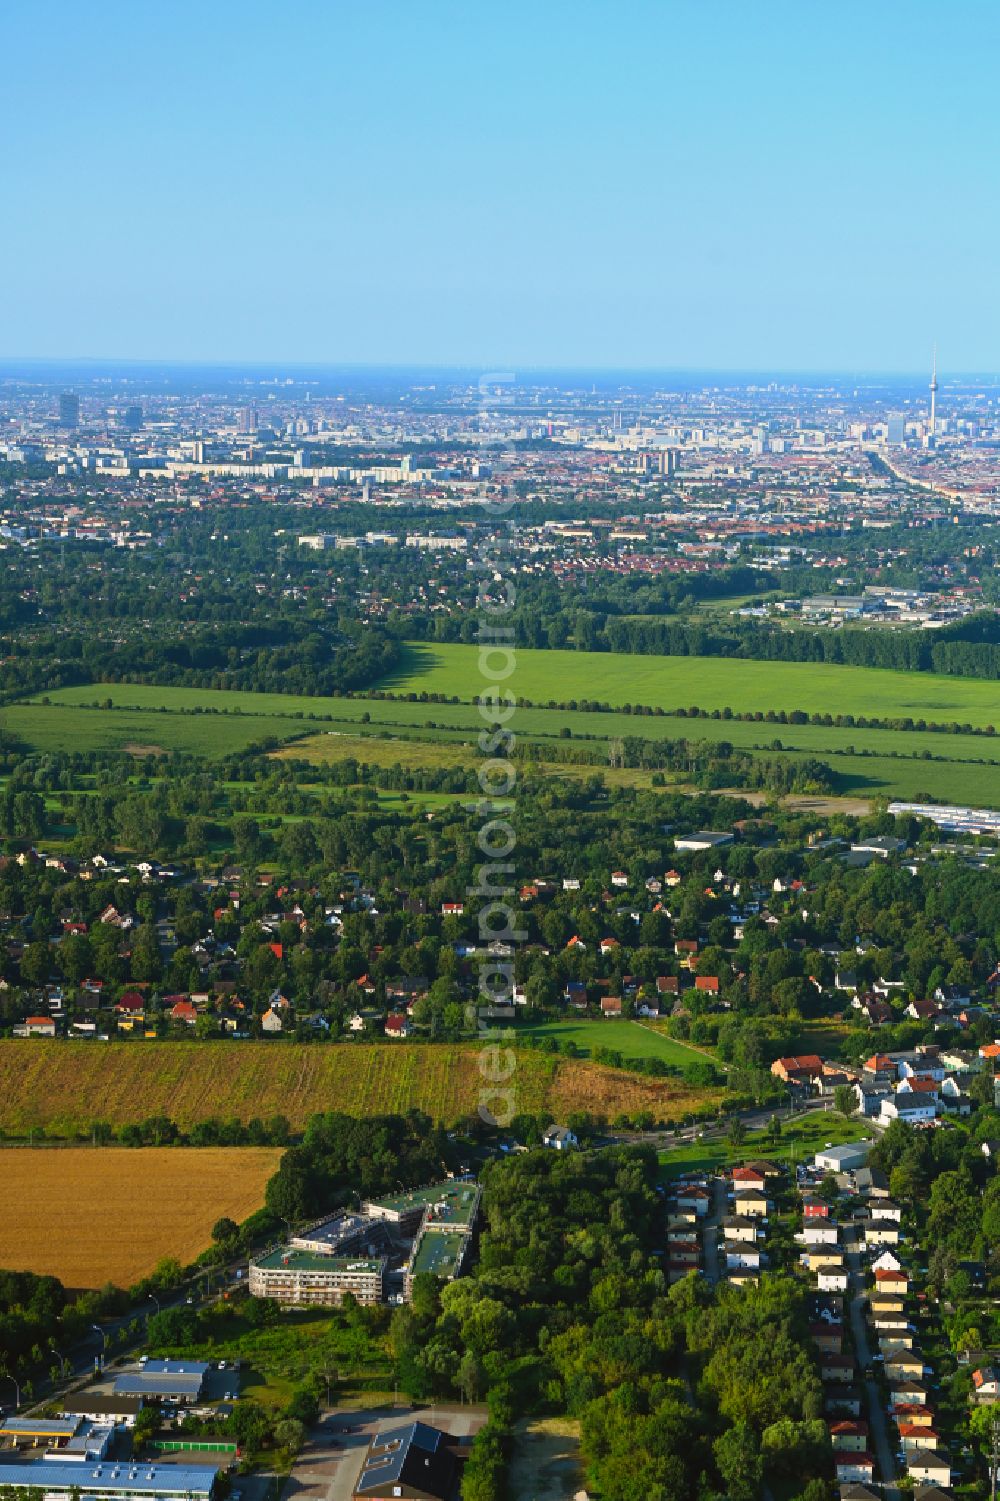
pixel 376 1254
pixel 74 1463
pixel 110 1482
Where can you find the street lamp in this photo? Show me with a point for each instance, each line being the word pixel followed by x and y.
pixel 18 1390
pixel 155 1299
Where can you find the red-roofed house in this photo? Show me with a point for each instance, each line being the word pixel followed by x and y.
pixel 40 1026
pixel 130 1010
pixel 800 1070
pixel 986 1383
pixel 849 1435
pixel 856 1467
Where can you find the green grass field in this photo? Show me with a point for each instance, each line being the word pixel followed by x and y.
pixel 629 1038
pixel 660 682
pixel 800 1140
pixel 964 768
pixel 902 776
pixel 711 682
pixel 62 726
pixel 961 768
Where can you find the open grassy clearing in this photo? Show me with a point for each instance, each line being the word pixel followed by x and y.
pixel 329 748
pixel 947 781
pixel 687 681
pixel 959 778
pixel 63 1088
pixel 92 1215
pixel 630 1038
pixel 546 1464
pixel 799 1141
pixel 540 726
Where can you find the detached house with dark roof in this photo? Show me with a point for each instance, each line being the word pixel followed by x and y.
pixel 416 1462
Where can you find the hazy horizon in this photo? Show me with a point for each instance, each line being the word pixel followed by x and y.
pixel 270 369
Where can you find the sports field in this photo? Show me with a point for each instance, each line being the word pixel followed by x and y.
pixel 90 1215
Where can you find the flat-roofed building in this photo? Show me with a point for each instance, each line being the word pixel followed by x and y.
pixel 301 1278
pixel 166 1380
pixel 457 1201
pixel 51 1432
pixel 110 1481
pixel 444 1239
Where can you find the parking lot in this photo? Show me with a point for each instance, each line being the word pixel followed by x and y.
pixel 329 1465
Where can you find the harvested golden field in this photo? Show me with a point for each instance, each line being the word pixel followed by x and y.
pixel 64 1087
pixel 90 1215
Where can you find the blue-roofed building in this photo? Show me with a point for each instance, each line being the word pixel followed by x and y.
pixel 415 1462
pixel 166 1380
pixel 108 1481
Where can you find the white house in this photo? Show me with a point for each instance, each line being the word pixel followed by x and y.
pixel 910 1108
pixel 819 1233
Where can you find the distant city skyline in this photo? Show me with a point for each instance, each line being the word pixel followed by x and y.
pixel 575 186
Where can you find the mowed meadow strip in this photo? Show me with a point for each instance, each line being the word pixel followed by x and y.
pixel 64 1087
pixel 90 1215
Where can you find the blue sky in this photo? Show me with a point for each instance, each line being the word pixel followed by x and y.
pixel 689 183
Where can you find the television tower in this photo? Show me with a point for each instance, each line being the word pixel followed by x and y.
pixel 934 392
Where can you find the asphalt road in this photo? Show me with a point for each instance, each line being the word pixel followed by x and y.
pixel 80 1360
pixel 877 1423
pixel 754 1120
pixel 710 1230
